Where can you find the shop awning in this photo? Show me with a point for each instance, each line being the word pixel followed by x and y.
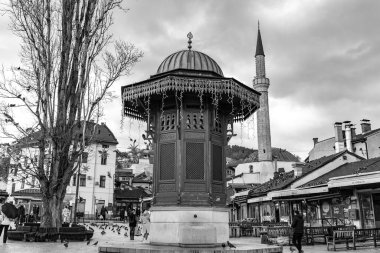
pixel 259 199
pixel 297 192
pixel 355 180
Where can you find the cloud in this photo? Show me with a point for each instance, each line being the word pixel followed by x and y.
pixel 322 57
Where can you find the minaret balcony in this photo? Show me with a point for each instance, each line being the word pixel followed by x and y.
pixel 262 80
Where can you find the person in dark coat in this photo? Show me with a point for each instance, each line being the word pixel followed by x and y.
pixel 21 214
pixel 103 212
pixel 122 215
pixel 297 225
pixel 132 224
pixel 36 210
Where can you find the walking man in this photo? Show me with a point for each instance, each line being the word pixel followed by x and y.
pixel 132 224
pixel 297 226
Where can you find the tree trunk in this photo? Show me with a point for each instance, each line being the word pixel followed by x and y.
pixel 52 209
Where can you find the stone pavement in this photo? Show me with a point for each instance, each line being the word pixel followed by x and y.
pixel 114 239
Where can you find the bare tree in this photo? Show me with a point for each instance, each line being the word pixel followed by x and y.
pixel 67 70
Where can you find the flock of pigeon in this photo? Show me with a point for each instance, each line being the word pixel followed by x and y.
pixel 117 229
pixel 103 227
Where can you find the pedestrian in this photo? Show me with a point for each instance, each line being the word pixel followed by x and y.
pixel 297 225
pixel 132 224
pixel 122 213
pixel 21 214
pixel 5 222
pixel 35 212
pixel 66 214
pixel 145 220
pixel 103 212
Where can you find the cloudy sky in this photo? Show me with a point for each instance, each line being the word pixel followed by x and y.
pixel 322 58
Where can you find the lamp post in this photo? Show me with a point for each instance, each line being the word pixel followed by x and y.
pixel 76 196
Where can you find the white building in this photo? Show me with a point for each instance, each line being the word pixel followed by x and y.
pixel 366 144
pixel 96 178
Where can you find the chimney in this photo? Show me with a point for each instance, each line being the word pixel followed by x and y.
pixel 353 132
pixel 339 143
pixel 366 125
pixel 315 140
pixel 348 136
pixel 297 168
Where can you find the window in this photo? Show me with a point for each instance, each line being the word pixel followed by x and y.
pixel 84 157
pixel 250 168
pixel 74 179
pixel 105 146
pixel 22 183
pixel 82 180
pixel 102 181
pixel 33 181
pixel 103 160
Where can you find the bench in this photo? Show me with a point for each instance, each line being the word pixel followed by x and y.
pixel 366 237
pixel 77 233
pixel 339 237
pixel 46 234
pixel 247 228
pixel 275 233
pixel 19 233
pixel 317 233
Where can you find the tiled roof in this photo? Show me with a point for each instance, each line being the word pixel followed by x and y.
pixel 283 180
pixel 142 178
pixel 362 136
pixel 101 133
pixel 369 165
pixel 320 162
pixel 28 192
pixel 135 193
pixel 3 193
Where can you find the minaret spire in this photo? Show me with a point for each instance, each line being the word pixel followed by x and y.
pixel 259 44
pixel 261 84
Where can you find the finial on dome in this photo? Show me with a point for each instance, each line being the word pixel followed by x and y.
pixel 190 36
pixel 258 24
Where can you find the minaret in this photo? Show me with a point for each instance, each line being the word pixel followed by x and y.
pixel 261 84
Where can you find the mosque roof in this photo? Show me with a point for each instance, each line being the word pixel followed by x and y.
pixel 189 60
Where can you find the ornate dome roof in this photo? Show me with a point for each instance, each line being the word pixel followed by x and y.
pixel 190 60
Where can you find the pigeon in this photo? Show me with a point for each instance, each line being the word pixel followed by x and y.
pixel 230 245
pixel 126 234
pixel 103 232
pixel 88 242
pixel 292 249
pixel 95 243
pixel 118 232
pixel 66 244
pixel 223 245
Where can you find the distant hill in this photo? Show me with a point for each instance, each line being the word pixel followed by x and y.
pixel 240 155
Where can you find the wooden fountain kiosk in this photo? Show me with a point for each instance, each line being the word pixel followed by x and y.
pixel 189 107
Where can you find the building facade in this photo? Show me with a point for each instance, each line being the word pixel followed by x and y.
pixel 366 144
pixel 95 178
